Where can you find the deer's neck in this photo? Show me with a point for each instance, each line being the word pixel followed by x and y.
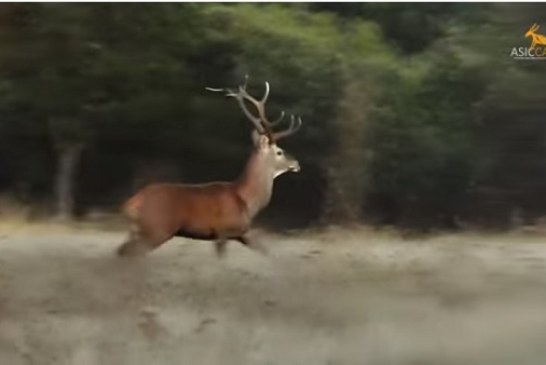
pixel 255 184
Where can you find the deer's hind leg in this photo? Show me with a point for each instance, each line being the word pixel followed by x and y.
pixel 133 248
pixel 135 244
pixel 141 241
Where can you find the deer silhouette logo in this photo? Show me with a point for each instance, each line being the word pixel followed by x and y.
pixel 538 39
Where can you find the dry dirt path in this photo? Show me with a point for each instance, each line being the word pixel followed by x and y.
pixel 335 298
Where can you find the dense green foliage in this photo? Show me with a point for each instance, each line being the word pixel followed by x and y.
pixel 414 113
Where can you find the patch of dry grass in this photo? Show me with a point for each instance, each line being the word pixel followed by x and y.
pixel 18 217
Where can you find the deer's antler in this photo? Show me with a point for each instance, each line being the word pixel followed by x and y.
pixel 261 122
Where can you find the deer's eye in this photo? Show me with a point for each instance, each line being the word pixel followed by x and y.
pixel 279 153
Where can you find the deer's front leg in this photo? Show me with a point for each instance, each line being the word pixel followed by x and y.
pixel 252 244
pixel 220 246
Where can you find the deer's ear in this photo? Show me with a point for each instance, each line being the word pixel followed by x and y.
pixel 264 142
pixel 260 140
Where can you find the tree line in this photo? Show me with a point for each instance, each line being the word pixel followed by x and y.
pixel 414 114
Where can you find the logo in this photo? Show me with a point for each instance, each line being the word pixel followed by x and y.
pixel 537 49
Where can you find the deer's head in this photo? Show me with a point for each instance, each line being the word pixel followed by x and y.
pixel 532 30
pixel 265 139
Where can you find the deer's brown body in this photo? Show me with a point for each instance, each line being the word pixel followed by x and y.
pixel 205 211
pixel 217 211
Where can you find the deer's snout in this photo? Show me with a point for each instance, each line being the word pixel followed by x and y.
pixel 294 166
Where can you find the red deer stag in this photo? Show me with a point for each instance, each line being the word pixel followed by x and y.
pixel 216 211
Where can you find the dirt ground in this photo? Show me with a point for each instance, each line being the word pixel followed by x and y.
pixel 331 298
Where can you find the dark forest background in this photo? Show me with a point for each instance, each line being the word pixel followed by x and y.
pixel 414 114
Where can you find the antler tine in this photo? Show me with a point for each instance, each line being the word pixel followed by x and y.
pixel 295 124
pixel 261 109
pixel 255 120
pixel 266 93
pixel 278 120
pixel 240 96
pixel 246 81
pixel 265 125
pixel 215 89
pixel 229 92
pixel 259 104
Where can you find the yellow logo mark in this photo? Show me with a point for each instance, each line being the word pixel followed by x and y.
pixel 538 39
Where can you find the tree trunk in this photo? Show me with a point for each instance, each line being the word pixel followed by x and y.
pixel 346 168
pixel 67 166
